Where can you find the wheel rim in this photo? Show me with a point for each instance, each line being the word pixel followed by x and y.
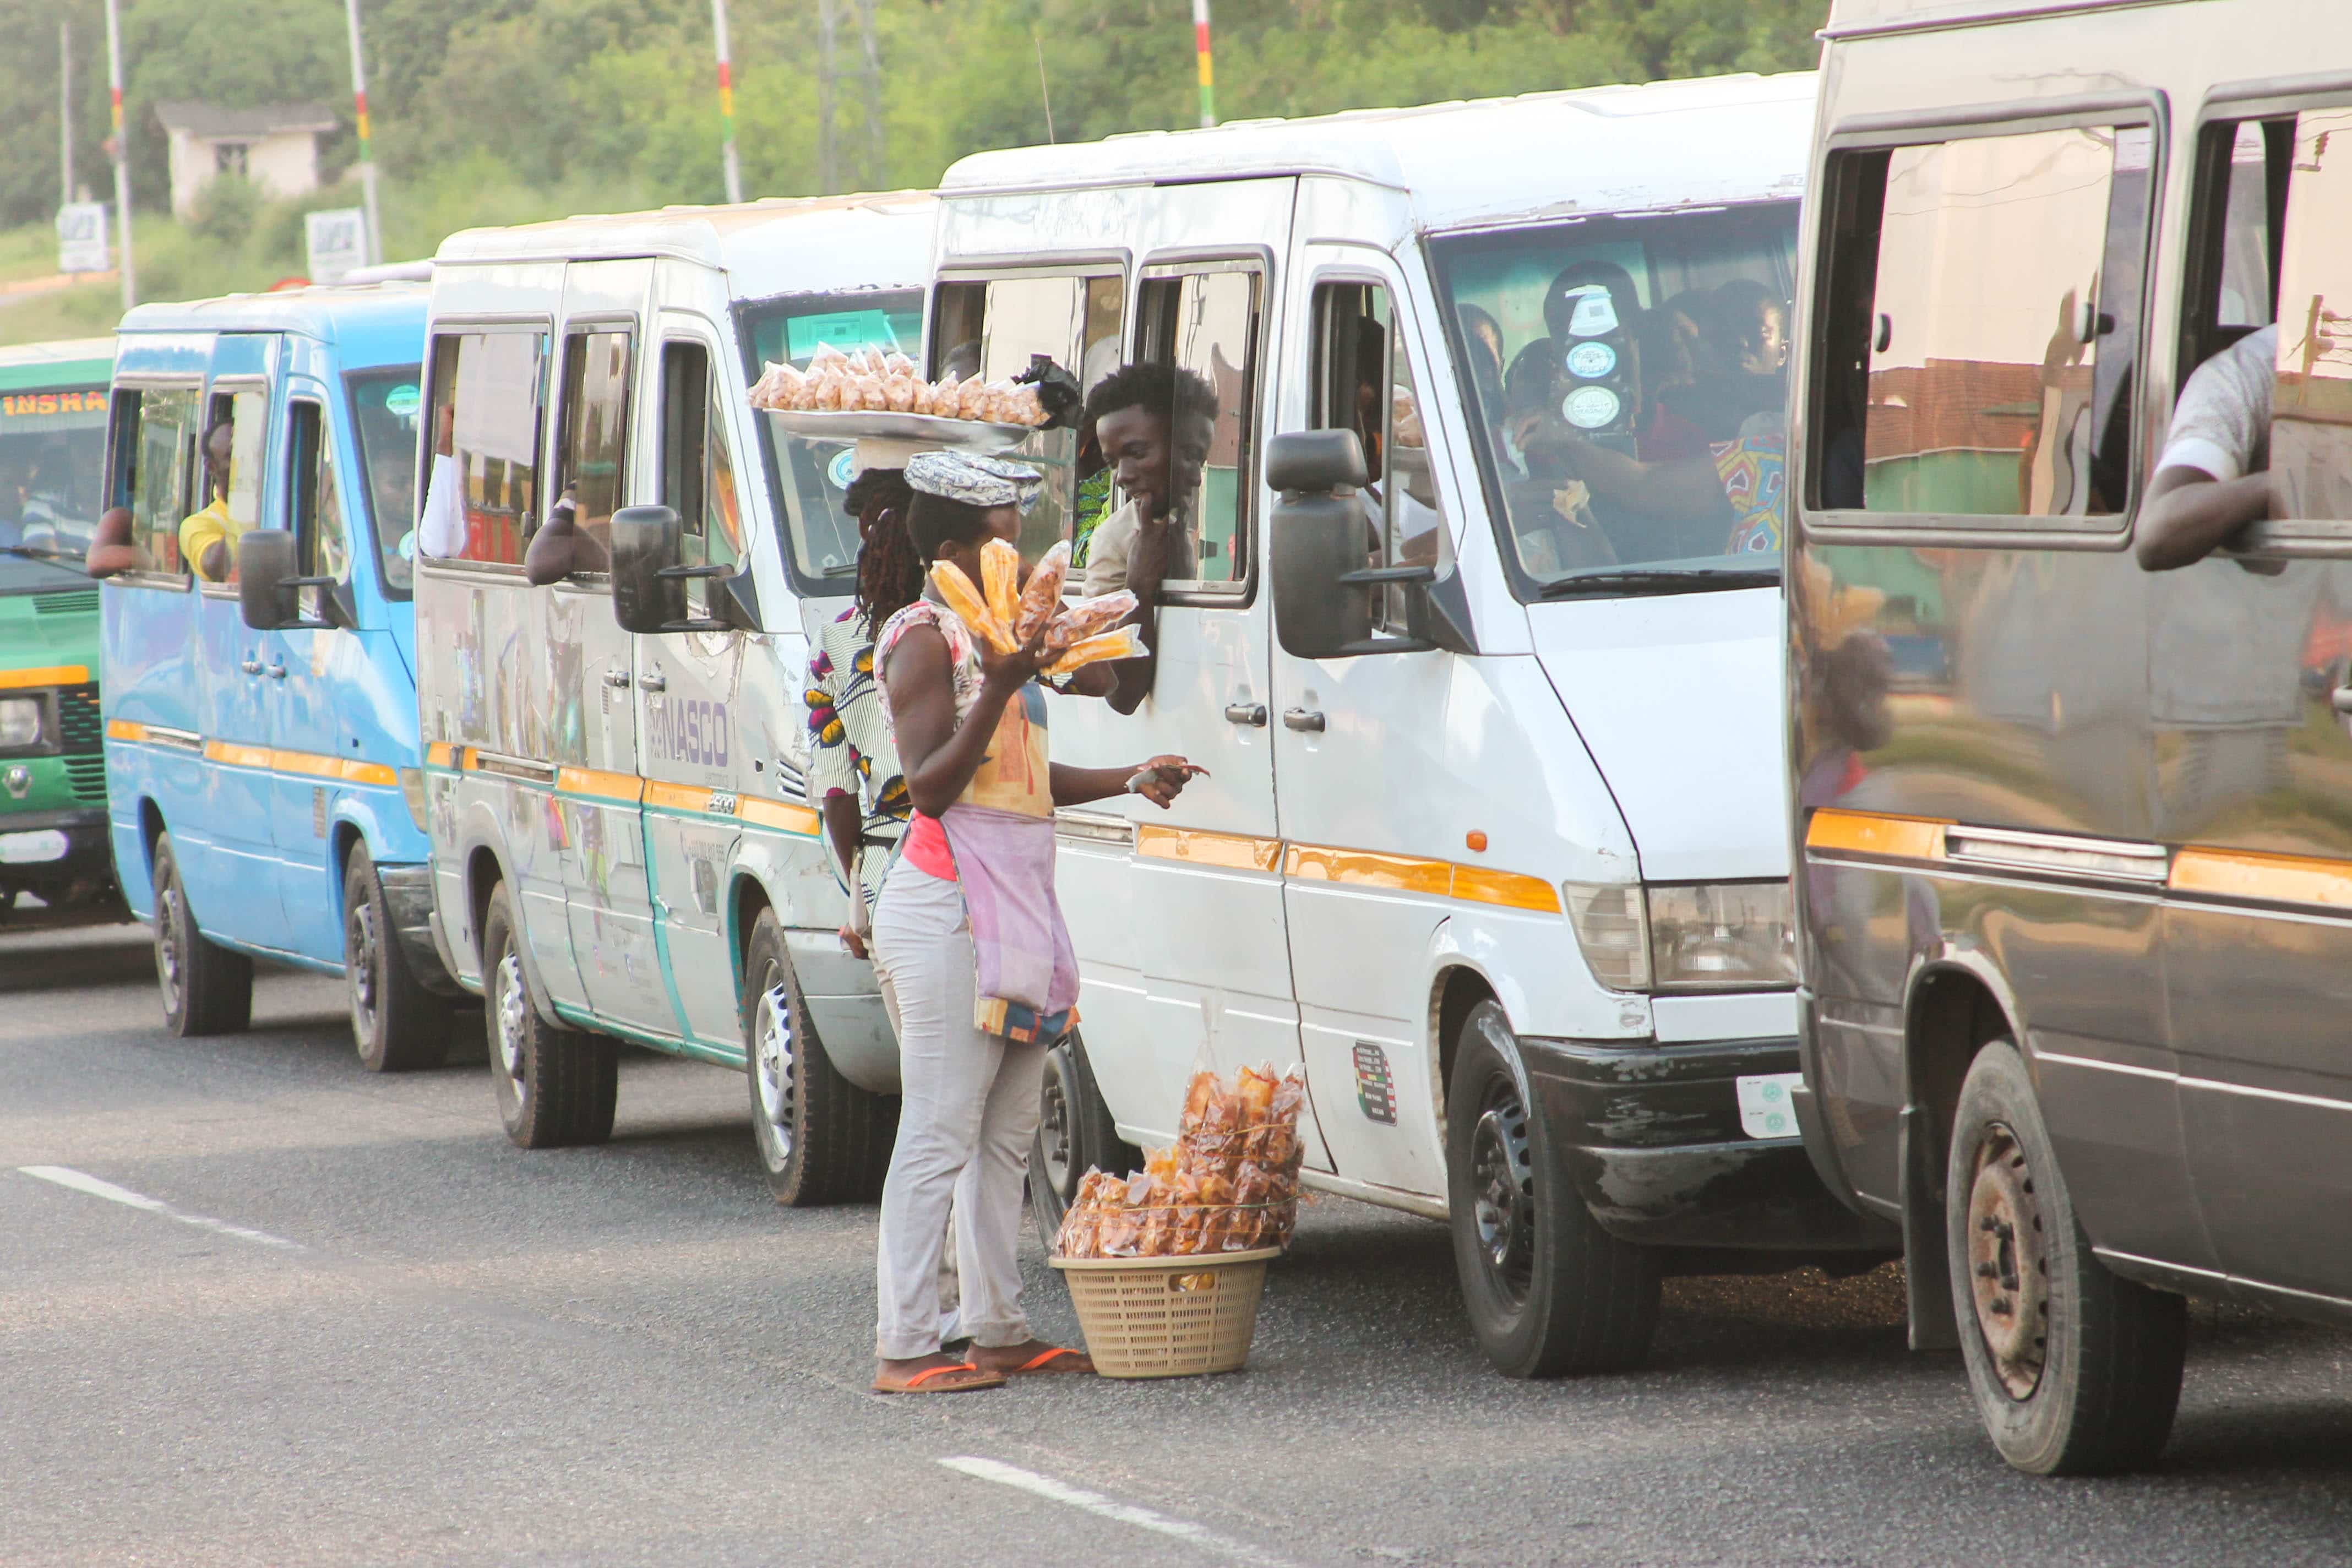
pixel 2009 1263
pixel 772 1064
pixel 359 964
pixel 1502 1176
pixel 514 1019
pixel 1054 1139
pixel 168 938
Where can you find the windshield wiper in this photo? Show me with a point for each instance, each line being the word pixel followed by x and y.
pixel 31 555
pixel 1662 580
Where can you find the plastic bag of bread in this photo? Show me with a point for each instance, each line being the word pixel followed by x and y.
pixel 895 363
pixel 964 599
pixel 873 395
pixel 898 391
pixel 968 396
pixel 1087 617
pixel 1000 579
pixel 1126 642
pixel 826 356
pixel 1041 595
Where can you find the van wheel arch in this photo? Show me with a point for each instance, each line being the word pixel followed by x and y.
pixel 483 876
pixel 1951 1014
pixel 745 901
pixel 151 828
pixel 1459 988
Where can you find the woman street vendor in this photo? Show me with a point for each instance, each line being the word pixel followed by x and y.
pixel 975 964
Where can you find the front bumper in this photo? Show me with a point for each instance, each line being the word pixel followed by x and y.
pixel 1651 1134
pixel 85 870
pixel 408 895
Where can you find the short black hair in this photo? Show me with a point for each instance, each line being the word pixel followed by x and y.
pixel 1166 390
pixel 934 522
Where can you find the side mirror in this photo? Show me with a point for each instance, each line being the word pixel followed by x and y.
pixel 111 550
pixel 1320 540
pixel 269 591
pixel 649 578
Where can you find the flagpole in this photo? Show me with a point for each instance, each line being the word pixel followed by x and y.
pixel 1208 73
pixel 121 153
pixel 374 249
pixel 733 166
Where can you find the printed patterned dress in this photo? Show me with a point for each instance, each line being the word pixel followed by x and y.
pixel 850 751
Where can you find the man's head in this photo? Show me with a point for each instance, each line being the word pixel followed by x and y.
pixel 1755 323
pixel 1155 423
pixel 220 444
pixel 392 483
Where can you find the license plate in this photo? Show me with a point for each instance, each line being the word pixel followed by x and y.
pixel 1764 1107
pixel 32 849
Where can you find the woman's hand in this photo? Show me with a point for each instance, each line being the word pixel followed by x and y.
pixel 1007 673
pixel 1164 778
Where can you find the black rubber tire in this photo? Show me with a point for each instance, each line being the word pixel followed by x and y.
pixel 1085 1124
pixel 1566 1296
pixel 207 988
pixel 397 1025
pixel 2110 1380
pixel 555 1086
pixel 833 1144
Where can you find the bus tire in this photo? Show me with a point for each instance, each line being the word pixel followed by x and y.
pixel 1548 1290
pixel 555 1086
pixel 207 988
pixel 1075 1133
pixel 822 1139
pixel 2074 1370
pixel 398 1025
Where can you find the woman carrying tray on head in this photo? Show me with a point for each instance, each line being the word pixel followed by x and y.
pixel 975 964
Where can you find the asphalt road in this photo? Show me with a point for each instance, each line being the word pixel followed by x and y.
pixel 362 1328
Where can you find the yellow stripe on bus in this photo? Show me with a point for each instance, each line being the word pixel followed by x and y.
pixel 604 785
pixel 44 674
pixel 2274 878
pixel 1867 833
pixel 1227 851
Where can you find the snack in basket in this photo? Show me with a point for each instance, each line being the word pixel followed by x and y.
pixel 1228 1185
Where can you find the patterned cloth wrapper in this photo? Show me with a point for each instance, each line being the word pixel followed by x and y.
pixel 977 481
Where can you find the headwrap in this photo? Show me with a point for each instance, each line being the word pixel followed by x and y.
pixel 976 481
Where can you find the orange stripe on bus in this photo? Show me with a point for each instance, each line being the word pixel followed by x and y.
pixel 1867 833
pixel 1229 851
pixel 44 674
pixel 2274 878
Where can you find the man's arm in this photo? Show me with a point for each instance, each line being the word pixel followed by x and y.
pixel 2189 514
pixel 1147 567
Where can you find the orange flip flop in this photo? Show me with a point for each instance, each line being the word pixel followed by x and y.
pixel 920 1383
pixel 1041 1364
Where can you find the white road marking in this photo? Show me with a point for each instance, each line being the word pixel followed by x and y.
pixel 66 1176
pixel 1047 1487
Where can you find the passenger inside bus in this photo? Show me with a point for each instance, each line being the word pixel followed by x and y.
pixel 208 536
pixel 2212 479
pixel 1155 423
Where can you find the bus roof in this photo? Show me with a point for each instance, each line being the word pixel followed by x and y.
pixel 1705 140
pixel 779 246
pixel 76 361
pixel 378 323
pixel 1856 18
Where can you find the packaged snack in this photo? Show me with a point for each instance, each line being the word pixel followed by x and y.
pixel 827 357
pixel 899 392
pixel 965 601
pixel 1089 616
pixel 1126 642
pixel 895 363
pixel 1255 1094
pixel 999 576
pixel 1043 594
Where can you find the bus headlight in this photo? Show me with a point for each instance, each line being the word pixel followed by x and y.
pixel 20 721
pixel 1723 936
pixel 412 790
pixel 1705 936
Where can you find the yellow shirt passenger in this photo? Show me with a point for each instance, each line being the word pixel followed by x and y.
pixel 202 532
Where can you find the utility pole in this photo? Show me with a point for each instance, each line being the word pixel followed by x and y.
pixel 367 153
pixel 65 112
pixel 1208 74
pixel 732 167
pixel 121 152
pixel 828 164
pixel 874 127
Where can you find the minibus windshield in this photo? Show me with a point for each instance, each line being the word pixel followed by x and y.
pixel 52 460
pixel 806 478
pixel 1626 379
pixel 386 411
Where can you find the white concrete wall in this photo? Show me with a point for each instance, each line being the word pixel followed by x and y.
pixel 283 165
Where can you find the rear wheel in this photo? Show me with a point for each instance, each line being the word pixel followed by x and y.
pixel 555 1086
pixel 1075 1133
pixel 398 1024
pixel 1548 1291
pixel 207 989
pixel 2074 1370
pixel 822 1139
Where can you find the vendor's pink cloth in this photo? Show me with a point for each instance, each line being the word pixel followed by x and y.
pixel 1027 971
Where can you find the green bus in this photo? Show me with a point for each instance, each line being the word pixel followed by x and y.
pixel 55 864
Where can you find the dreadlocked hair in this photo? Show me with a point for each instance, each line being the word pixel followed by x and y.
pixel 889 572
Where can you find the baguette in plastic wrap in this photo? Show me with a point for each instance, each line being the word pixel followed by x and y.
pixel 965 601
pixel 1000 578
pixel 1042 595
pixel 1127 642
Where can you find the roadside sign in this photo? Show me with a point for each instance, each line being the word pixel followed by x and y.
pixel 81 237
pixel 337 242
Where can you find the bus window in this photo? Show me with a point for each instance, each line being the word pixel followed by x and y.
pixel 1982 302
pixel 2311 416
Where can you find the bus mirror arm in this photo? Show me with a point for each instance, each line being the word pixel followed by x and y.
pixel 269 592
pixel 650 575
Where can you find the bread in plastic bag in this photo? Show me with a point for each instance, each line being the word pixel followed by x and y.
pixel 1041 596
pixel 1000 578
pixel 1126 642
pixel 964 599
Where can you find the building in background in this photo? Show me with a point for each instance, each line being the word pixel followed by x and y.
pixel 275 146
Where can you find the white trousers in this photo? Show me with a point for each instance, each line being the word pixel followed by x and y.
pixel 967 1117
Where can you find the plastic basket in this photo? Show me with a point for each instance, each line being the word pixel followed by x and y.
pixel 1168 1316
